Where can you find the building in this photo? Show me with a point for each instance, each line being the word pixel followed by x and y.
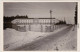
pixel 34 24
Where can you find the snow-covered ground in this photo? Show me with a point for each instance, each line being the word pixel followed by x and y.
pixel 14 39
pixel 67 42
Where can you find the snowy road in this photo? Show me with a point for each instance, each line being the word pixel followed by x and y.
pixel 52 42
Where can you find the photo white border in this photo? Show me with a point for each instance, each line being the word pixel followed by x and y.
pixel 1 23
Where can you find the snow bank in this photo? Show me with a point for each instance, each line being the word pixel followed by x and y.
pixel 11 35
pixel 14 39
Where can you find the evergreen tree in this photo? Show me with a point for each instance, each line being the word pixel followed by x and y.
pixel 75 14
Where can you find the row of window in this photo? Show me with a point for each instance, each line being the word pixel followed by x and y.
pixel 34 21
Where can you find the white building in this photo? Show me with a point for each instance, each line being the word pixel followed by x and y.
pixel 34 24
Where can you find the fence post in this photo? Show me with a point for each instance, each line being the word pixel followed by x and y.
pixel 29 27
pixel 41 28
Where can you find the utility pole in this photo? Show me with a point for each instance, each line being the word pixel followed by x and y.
pixel 51 20
pixel 64 21
pixel 50 16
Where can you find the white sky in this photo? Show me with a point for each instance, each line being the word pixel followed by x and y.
pixel 41 9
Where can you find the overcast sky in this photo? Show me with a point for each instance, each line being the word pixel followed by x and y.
pixel 41 9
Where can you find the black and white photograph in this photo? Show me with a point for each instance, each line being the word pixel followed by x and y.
pixel 40 26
